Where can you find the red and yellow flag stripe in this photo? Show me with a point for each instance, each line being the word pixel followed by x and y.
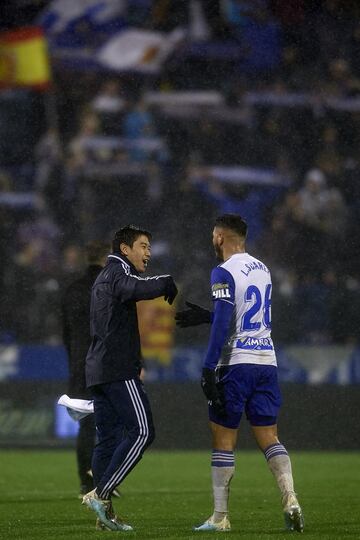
pixel 24 60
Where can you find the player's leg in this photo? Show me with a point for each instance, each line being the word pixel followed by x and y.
pixel 224 435
pixel 262 410
pixel 222 467
pixel 279 464
pixel 222 471
pixel 276 455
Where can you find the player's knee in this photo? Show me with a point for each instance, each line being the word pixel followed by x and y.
pixel 265 435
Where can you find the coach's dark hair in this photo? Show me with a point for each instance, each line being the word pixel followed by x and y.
pixel 96 250
pixel 128 235
pixel 233 222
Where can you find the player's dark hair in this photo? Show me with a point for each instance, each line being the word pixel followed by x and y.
pixel 128 235
pixel 233 222
pixel 96 250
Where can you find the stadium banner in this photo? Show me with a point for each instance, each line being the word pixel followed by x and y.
pixel 313 365
pixel 24 59
pixel 30 416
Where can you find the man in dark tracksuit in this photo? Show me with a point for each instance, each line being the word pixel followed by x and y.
pixel 76 338
pixel 113 365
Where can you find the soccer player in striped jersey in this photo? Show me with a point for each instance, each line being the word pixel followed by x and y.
pixel 240 370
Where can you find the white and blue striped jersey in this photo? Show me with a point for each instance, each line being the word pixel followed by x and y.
pixel 245 282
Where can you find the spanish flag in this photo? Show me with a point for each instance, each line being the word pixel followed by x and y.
pixel 24 59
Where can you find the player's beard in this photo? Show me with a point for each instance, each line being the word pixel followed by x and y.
pixel 218 253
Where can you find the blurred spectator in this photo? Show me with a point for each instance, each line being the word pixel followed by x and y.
pixel 341 82
pixel 72 264
pixel 260 36
pixel 49 173
pixel 328 157
pixel 321 213
pixel 199 30
pixel 109 104
pixel 250 202
pixel 138 121
pixel 48 155
pixel 41 230
pixel 283 241
pixel 20 294
pixel 89 127
pixel 322 208
pixel 138 124
pixel 312 294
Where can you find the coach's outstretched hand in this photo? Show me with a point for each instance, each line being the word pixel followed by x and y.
pixel 171 291
pixel 193 316
pixel 211 391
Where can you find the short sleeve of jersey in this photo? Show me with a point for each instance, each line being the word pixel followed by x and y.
pixel 222 285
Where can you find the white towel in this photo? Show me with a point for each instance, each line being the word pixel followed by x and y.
pixel 76 408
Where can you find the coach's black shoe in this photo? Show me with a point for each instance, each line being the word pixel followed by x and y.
pixel 294 519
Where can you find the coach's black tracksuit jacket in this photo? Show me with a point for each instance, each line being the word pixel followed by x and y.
pixel 114 353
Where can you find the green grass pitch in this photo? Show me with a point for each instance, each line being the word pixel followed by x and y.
pixel 169 492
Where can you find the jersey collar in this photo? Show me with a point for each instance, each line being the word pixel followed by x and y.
pixel 124 260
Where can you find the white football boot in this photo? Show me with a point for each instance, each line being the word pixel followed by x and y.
pixel 294 519
pixel 212 525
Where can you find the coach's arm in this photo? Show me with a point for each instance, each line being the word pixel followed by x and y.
pixel 132 287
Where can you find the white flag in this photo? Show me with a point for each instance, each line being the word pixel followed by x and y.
pixel 138 50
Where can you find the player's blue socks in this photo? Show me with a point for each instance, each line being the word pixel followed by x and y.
pixel 222 471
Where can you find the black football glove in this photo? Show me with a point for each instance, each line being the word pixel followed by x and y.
pixel 170 290
pixel 193 316
pixel 211 391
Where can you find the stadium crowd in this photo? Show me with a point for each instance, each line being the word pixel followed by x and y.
pixel 256 113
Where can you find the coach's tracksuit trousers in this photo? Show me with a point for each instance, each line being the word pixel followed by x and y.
pixel 124 428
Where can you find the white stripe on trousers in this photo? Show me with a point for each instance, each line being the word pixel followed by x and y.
pixel 140 442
